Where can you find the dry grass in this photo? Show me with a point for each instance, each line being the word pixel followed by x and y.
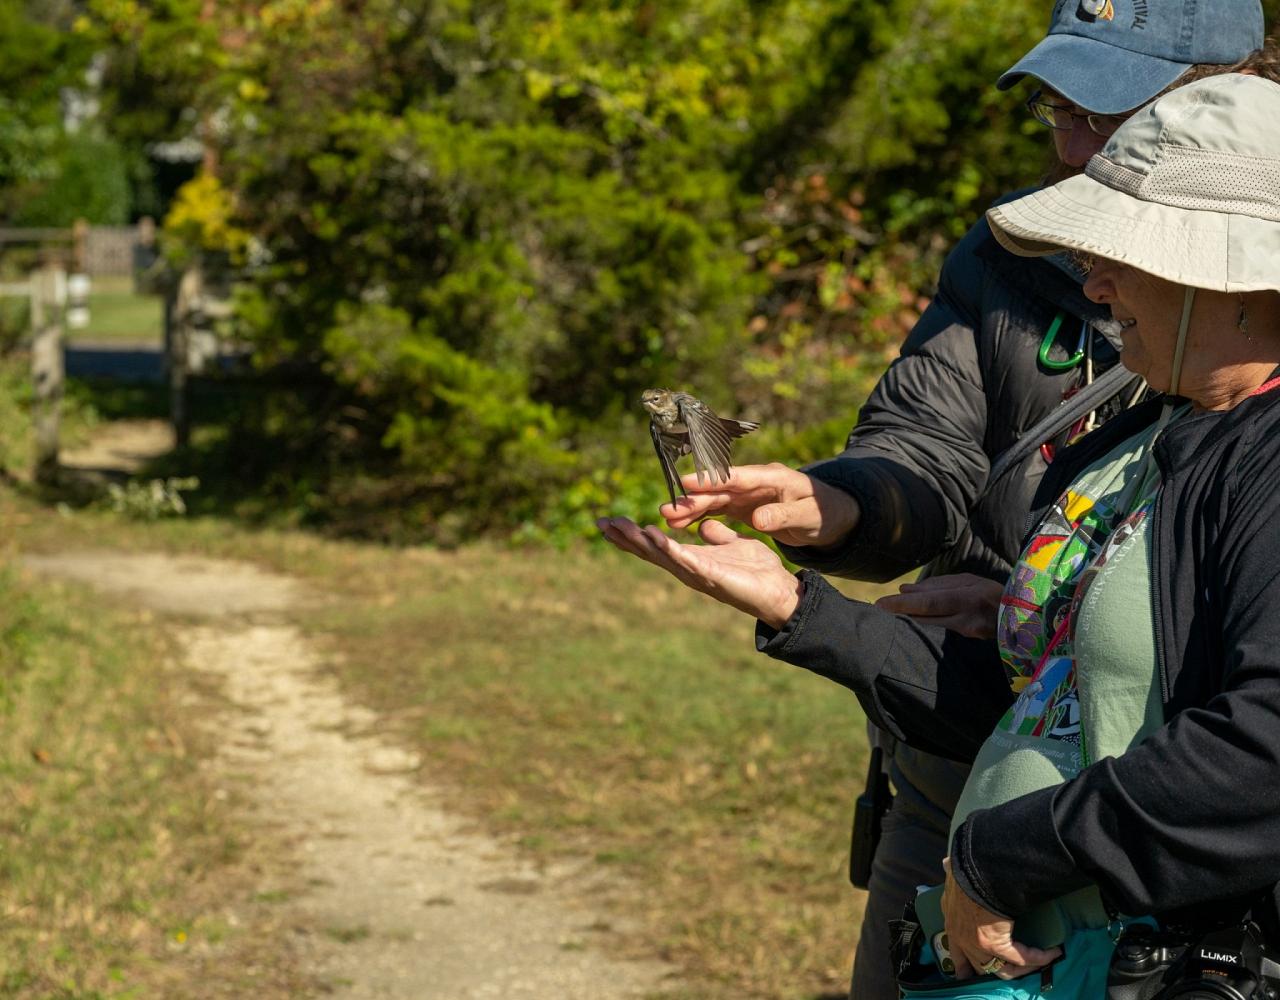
pixel 122 874
pixel 588 706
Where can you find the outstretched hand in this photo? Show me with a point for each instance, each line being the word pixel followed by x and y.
pixel 788 505
pixel 961 602
pixel 976 936
pixel 741 572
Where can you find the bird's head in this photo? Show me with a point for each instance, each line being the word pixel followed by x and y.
pixel 655 400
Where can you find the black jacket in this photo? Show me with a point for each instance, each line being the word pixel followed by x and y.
pixel 1190 818
pixel 967 384
pixel 965 387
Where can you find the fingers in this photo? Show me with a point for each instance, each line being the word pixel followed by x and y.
pixel 797 516
pixel 744 478
pixel 653 545
pixel 962 602
pixel 747 487
pixel 920 604
pixel 716 533
pixel 1018 960
pixel 625 534
pixel 1026 959
pixel 978 937
pixel 951 581
pixel 811 513
pixel 688 509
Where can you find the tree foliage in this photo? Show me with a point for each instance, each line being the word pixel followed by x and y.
pixel 488 225
pixel 41 57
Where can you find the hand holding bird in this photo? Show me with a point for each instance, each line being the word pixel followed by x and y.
pixel 788 505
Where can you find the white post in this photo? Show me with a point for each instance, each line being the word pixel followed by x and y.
pixel 179 312
pixel 48 292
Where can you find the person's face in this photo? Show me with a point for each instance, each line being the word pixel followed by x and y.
pixel 1076 144
pixel 1149 310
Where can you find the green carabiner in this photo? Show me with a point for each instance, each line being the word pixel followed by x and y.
pixel 1059 366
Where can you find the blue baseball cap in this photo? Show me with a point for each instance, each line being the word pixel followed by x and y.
pixel 1111 56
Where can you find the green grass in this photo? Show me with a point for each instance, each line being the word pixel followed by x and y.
pixel 587 702
pixel 117 313
pixel 589 707
pixel 117 864
pixel 17 443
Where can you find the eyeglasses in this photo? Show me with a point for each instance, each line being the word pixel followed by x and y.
pixel 1062 116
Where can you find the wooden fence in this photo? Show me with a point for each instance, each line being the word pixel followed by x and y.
pixel 46 289
pixel 98 251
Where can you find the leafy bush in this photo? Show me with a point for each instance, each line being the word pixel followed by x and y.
pixel 88 180
pixel 482 228
pixel 152 499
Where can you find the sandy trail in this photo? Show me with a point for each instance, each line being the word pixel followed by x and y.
pixel 398 898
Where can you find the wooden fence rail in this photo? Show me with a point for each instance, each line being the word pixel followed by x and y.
pixel 46 289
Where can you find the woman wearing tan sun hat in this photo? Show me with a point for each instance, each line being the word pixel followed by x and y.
pixel 1160 593
pixel 1125 722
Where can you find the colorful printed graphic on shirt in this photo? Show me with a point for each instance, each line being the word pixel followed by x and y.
pixel 1047 706
pixel 1037 610
pixel 1124 531
pixel 1038 597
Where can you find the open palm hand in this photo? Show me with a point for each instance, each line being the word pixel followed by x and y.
pixel 741 572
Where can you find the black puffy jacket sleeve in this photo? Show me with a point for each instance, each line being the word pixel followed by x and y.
pixel 915 461
pixel 1191 816
pixel 934 689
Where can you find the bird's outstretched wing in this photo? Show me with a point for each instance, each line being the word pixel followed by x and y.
pixel 669 449
pixel 708 439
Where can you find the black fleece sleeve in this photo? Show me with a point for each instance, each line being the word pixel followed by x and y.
pixel 1191 815
pixel 931 688
pixel 915 461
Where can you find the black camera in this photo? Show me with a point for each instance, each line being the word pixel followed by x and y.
pixel 1228 964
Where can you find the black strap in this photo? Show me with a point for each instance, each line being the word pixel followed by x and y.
pixel 1057 420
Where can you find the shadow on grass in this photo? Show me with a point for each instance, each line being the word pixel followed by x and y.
pixel 282 449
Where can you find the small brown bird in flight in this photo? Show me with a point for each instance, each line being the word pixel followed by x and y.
pixel 681 424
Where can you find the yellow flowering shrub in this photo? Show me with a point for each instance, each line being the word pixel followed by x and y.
pixel 200 218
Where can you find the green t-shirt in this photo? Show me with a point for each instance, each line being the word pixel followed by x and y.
pixel 1076 636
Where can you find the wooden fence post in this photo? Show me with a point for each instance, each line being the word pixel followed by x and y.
pixel 48 287
pixel 181 301
pixel 80 246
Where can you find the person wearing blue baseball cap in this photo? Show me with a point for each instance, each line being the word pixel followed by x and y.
pixel 1113 56
pixel 1118 836
pixel 937 472
pixel 946 453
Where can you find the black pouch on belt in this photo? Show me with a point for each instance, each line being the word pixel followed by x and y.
pixel 868 811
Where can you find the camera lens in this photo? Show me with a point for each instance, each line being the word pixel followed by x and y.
pixel 1203 991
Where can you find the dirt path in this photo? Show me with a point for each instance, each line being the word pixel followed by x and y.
pixel 121 445
pixel 400 900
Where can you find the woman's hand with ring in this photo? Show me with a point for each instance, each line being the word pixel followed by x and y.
pixel 982 941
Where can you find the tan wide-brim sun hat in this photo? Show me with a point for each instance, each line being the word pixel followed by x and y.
pixel 1188 189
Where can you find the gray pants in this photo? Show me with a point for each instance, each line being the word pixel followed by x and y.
pixel 913 843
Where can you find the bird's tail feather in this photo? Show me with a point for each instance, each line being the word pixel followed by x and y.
pixel 737 428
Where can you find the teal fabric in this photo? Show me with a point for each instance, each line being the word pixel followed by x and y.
pixel 1117 675
pixel 1081 974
